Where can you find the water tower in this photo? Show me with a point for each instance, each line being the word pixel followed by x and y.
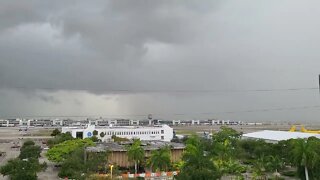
pixel 150 119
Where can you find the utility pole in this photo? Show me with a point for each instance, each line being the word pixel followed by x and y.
pixel 85 155
pixel 319 83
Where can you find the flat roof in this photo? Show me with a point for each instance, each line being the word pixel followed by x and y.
pixel 146 145
pixel 118 127
pixel 129 127
pixel 279 135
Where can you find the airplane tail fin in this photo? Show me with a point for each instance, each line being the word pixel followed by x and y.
pixel 303 129
pixel 292 129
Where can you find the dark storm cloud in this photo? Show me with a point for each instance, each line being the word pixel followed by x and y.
pixel 161 46
pixel 101 45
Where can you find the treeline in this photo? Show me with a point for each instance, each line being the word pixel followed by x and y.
pixel 26 165
pixel 69 155
pixel 226 154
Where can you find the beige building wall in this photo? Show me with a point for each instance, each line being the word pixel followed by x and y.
pixel 120 158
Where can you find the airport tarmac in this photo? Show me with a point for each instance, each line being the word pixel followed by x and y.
pixel 190 129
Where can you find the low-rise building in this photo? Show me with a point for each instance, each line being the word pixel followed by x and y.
pixel 122 122
pixel 4 123
pixel 157 132
pixel 57 122
pixel 42 122
pixel 102 122
pixel 118 152
pixel 276 136
pixel 14 122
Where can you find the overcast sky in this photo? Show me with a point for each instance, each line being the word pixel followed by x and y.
pixel 166 57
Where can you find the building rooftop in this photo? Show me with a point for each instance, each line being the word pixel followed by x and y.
pixel 146 145
pixel 117 127
pixel 128 127
pixel 278 135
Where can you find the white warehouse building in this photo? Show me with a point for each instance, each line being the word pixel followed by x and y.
pixel 276 136
pixel 161 132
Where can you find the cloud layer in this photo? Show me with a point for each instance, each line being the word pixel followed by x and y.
pixel 97 47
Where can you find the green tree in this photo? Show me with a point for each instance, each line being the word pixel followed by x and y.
pixel 30 152
pixel 226 133
pixel 55 132
pixel 224 144
pixel 77 166
pixel 224 156
pixel 73 166
pixel 274 164
pixel 97 161
pixel 178 165
pixel 136 153
pixel 102 134
pixel 260 168
pixel 304 154
pixel 95 132
pixel 250 150
pixel 26 165
pixel 230 167
pixel 94 138
pixel 198 165
pixel 223 151
pixel 28 143
pixel 59 139
pixel 160 159
pixel 19 169
pixel 59 152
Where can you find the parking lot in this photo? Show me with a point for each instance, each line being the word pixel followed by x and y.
pixel 10 140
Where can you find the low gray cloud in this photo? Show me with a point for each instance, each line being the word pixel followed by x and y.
pixel 50 99
pixel 163 47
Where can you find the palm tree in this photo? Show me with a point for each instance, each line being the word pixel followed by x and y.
pixel 160 159
pixel 136 153
pixel 223 150
pixel 304 153
pixel 197 163
pixel 274 164
pixel 259 168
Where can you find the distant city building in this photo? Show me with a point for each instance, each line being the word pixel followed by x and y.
pixel 134 122
pixel 167 122
pixel 14 122
pixel 102 122
pixel 4 123
pixel 176 122
pixel 67 122
pixel 57 122
pixel 42 122
pixel 119 122
pixel 24 122
pixel 159 132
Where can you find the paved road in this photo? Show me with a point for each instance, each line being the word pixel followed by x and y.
pixel 51 172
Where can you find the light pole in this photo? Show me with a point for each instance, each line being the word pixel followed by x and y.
pixel 111 167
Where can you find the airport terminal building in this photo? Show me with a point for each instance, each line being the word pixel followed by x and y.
pixel 147 133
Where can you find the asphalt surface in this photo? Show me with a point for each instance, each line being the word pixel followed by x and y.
pixel 12 136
